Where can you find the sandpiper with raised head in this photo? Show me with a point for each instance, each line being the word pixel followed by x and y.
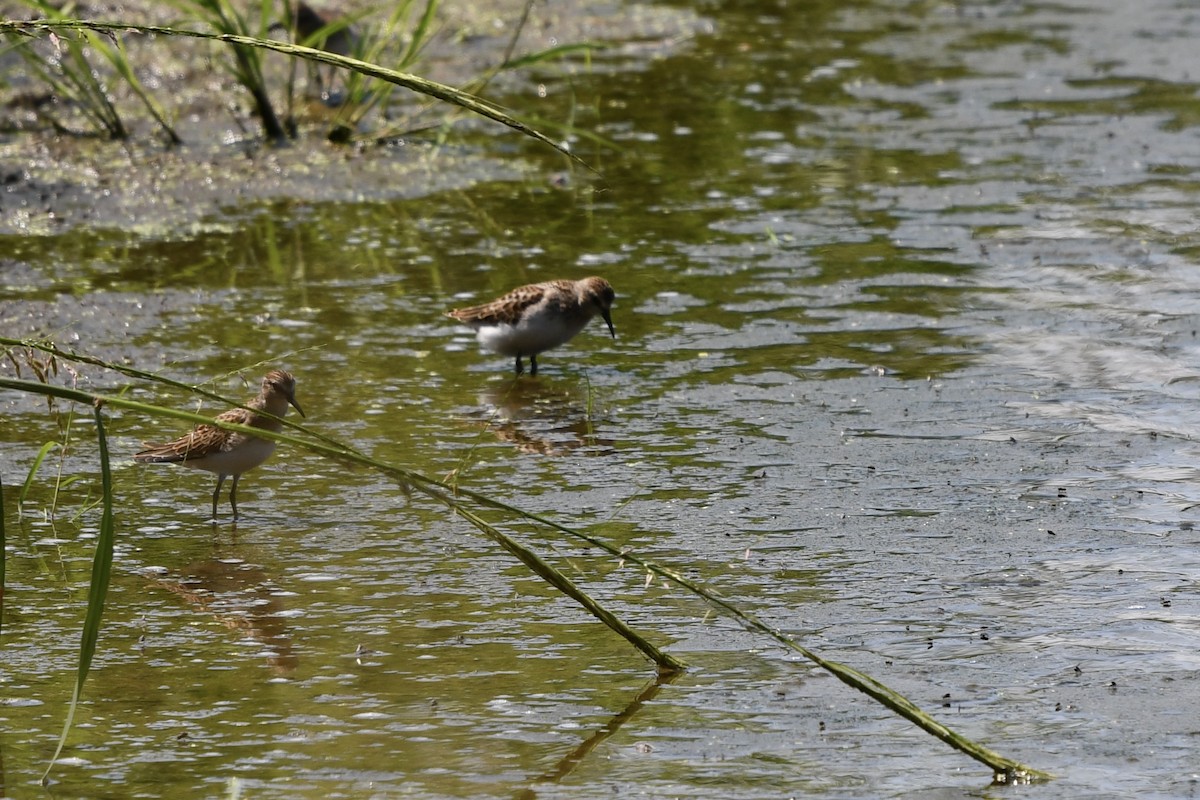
pixel 230 453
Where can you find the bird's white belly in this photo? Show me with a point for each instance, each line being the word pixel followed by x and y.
pixel 530 336
pixel 245 456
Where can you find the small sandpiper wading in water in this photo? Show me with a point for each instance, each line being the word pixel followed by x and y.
pixel 535 318
pixel 231 452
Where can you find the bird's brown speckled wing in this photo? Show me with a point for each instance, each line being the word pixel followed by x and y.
pixel 203 441
pixel 507 309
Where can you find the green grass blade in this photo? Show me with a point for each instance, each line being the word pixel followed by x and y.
pixel 667 664
pixel 3 553
pixel 551 53
pixel 516 34
pixel 50 349
pixel 97 591
pixel 421 34
pixel 33 470
pixel 1010 769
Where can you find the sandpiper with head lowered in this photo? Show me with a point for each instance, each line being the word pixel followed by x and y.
pixel 535 318
pixel 226 452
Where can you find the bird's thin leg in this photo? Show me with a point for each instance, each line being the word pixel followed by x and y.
pixel 533 365
pixel 520 366
pixel 233 495
pixel 217 492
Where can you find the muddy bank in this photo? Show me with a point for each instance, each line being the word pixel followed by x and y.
pixel 51 182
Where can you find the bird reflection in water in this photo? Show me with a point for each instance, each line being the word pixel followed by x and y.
pixel 240 596
pixel 543 419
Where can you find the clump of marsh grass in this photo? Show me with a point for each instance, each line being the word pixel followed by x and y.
pixel 61 63
pixel 512 62
pixel 64 66
pixel 226 17
pixel 114 52
pixel 60 53
pixel 272 127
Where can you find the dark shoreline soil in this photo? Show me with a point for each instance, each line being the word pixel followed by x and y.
pixel 51 182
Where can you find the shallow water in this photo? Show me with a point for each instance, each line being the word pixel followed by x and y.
pixel 906 365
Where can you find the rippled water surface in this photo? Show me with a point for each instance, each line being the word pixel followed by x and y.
pixel 906 364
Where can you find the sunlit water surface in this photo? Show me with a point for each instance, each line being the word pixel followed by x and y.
pixel 906 365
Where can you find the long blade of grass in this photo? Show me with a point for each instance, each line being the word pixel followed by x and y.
pixel 420 34
pixel 98 589
pixel 551 53
pixel 517 29
pixel 413 83
pixel 667 664
pixel 3 553
pixel 1004 769
pixel 133 372
pixel 33 470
